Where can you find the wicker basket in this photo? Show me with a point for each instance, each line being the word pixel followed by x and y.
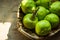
pixel 31 34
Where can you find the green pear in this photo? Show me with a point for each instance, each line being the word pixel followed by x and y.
pixel 53 19
pixel 27 6
pixel 42 12
pixel 55 8
pixel 44 3
pixel 43 27
pixel 29 22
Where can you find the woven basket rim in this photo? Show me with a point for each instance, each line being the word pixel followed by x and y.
pixel 21 30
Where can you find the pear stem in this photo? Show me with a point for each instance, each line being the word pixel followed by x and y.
pixel 34 14
pixel 48 5
pixel 53 0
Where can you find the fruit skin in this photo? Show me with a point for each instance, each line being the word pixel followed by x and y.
pixel 53 19
pixel 55 8
pixel 43 27
pixel 42 12
pixel 44 3
pixel 27 6
pixel 28 23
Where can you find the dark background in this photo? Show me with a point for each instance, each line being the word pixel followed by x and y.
pixel 8 10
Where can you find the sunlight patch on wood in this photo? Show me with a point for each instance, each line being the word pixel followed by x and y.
pixel 4 29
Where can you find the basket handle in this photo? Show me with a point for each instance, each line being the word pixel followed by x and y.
pixel 26 34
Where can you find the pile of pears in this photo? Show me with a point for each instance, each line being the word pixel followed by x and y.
pixel 41 15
